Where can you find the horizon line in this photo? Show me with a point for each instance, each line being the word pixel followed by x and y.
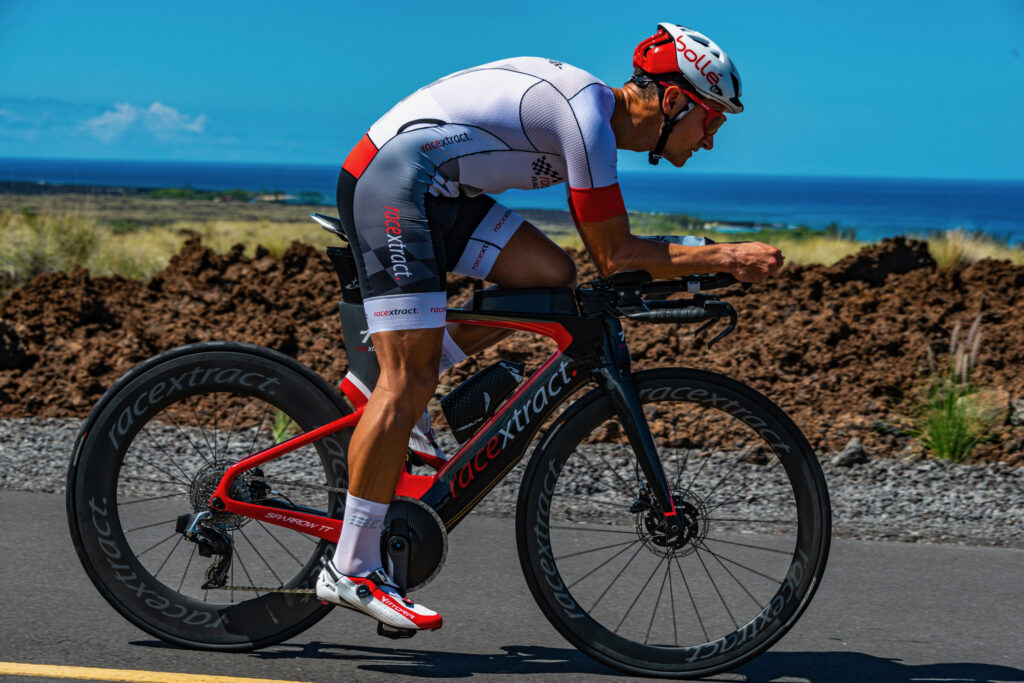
pixel 621 170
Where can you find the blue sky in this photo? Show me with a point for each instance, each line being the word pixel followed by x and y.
pixel 867 88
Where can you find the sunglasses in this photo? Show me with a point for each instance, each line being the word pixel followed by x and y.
pixel 713 119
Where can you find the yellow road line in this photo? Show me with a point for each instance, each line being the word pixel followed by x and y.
pixel 84 673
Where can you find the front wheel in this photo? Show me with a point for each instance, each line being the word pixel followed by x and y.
pixel 155 448
pixel 755 528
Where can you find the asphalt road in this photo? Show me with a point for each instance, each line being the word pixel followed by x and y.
pixel 885 612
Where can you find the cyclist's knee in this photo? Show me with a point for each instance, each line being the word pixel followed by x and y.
pixel 408 361
pixel 559 270
pixel 565 272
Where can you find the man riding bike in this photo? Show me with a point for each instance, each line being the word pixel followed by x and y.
pixel 412 200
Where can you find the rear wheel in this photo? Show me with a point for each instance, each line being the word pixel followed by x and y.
pixel 156 448
pixel 755 519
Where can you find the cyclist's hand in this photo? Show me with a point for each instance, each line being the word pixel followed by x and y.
pixel 752 261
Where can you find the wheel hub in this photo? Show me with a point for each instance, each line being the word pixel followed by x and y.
pixel 654 531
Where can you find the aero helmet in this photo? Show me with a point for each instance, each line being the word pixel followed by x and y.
pixel 679 54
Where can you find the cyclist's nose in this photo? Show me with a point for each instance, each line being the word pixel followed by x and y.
pixel 708 142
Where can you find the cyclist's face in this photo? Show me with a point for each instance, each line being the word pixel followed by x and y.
pixel 690 133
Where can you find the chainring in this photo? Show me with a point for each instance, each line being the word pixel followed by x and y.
pixel 428 540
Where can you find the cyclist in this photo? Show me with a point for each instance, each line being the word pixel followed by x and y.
pixel 412 200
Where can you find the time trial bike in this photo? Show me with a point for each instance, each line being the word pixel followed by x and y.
pixel 670 522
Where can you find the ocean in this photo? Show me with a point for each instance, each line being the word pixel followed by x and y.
pixel 872 207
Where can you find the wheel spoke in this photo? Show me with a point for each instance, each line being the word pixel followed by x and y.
pixel 748 545
pixel 156 544
pixel 216 428
pixel 260 555
pixel 703 464
pixel 741 565
pixel 626 489
pixel 185 436
pixel 732 468
pixel 715 585
pixel 672 603
pixel 150 526
pixel 173 548
pixel 698 428
pixel 147 480
pixel 640 592
pixel 654 612
pixel 605 591
pixel 202 430
pixel 593 550
pixel 692 601
pixel 187 565
pixel 283 546
pixel 231 430
pixel 750 520
pixel 259 428
pixel 738 582
pixel 592 571
pixel 245 571
pixel 603 531
pixel 144 500
pixel 183 482
pixel 592 501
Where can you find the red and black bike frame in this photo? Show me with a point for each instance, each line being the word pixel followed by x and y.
pixel 590 348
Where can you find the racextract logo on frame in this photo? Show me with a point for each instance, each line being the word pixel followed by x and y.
pixel 515 425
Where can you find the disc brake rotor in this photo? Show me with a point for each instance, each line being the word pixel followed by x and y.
pixel 653 530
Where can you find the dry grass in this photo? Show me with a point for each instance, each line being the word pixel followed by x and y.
pixel 32 243
pixel 959 248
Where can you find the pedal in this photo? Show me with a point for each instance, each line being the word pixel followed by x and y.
pixel 394 633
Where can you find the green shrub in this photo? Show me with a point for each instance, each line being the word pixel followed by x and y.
pixel 956 416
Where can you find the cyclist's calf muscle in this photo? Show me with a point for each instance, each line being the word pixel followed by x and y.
pixel 408 375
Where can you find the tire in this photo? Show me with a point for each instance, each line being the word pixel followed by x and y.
pixel 753 499
pixel 153 449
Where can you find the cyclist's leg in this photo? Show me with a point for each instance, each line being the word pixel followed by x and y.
pixel 400 275
pixel 529 259
pixel 408 360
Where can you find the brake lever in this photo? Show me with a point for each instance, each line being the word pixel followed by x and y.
pixel 729 329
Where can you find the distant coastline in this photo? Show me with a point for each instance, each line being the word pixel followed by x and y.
pixel 872 207
pixel 553 220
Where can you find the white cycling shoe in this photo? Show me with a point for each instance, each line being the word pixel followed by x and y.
pixel 376 596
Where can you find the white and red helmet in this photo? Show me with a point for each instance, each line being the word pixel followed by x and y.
pixel 677 53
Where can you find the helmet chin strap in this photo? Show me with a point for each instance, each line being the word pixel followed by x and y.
pixel 654 156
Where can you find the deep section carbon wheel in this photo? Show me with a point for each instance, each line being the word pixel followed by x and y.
pixel 151 455
pixel 752 543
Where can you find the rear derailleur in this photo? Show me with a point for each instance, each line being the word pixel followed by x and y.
pixel 212 542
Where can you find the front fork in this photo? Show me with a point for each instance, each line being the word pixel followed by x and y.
pixel 617 381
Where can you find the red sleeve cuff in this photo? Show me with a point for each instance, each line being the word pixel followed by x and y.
pixel 597 204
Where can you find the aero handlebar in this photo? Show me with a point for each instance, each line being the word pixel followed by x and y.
pixel 622 295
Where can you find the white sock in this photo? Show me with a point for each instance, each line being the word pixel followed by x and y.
pixel 358 551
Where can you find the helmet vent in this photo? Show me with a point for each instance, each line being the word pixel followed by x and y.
pixel 698 39
pixel 716 53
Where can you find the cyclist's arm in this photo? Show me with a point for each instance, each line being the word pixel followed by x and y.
pixel 614 249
